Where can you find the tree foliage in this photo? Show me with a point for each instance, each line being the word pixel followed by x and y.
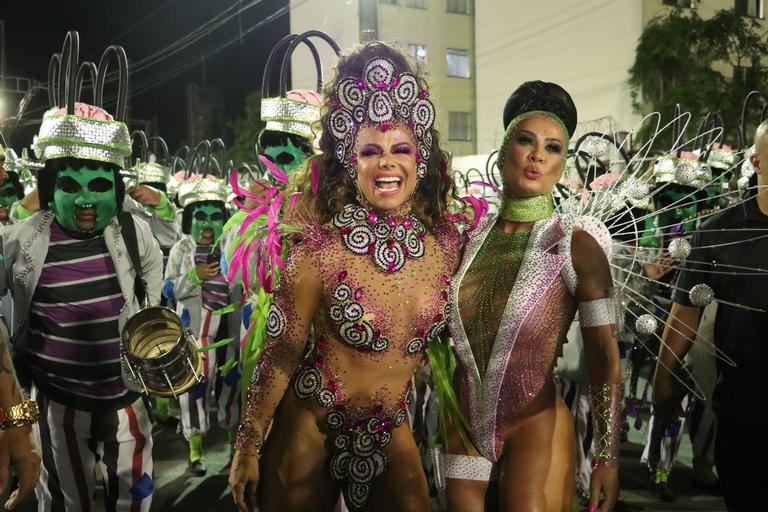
pixel 246 128
pixel 704 65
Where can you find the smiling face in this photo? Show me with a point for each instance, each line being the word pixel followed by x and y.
pixel 534 157
pixel 386 166
pixel 84 199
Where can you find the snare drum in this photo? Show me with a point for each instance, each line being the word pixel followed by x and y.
pixel 160 353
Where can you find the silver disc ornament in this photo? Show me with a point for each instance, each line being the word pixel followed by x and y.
pixel 646 324
pixel 679 249
pixel 701 295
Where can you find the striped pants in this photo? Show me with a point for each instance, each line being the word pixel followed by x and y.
pixel 226 388
pixel 77 443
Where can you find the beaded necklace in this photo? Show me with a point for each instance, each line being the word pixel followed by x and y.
pixel 388 239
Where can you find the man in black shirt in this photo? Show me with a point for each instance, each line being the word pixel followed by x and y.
pixel 723 251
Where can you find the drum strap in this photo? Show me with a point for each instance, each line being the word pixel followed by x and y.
pixel 132 244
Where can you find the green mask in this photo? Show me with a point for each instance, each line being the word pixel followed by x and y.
pixel 84 188
pixel 206 217
pixel 685 210
pixel 7 195
pixel 287 158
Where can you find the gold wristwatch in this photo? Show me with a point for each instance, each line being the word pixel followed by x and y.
pixel 19 415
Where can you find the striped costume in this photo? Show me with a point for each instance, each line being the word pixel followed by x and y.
pixel 89 419
pixel 196 305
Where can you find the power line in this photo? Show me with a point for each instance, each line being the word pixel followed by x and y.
pixel 131 28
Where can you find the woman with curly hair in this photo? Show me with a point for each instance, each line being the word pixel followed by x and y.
pixel 368 284
pixel 525 271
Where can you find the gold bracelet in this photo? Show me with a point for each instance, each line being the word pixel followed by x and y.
pixel 19 415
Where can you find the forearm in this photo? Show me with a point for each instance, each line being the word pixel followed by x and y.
pixel 268 385
pixel 679 331
pixel 606 391
pixel 10 391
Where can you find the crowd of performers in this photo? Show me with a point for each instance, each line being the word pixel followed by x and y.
pixel 370 339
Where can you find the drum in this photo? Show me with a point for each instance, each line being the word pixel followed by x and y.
pixel 160 353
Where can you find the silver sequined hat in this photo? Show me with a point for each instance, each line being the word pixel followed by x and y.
pixel 76 136
pixel 202 189
pixel 294 111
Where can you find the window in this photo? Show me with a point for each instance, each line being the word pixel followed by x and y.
pixel 751 8
pixel 691 4
pixel 458 62
pixel 419 4
pixel 418 51
pixel 458 126
pixel 389 2
pixel 459 6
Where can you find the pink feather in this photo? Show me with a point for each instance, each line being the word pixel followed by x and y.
pixel 486 184
pixel 294 197
pixel 274 170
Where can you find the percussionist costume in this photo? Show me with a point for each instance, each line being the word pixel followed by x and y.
pixel 153 177
pixel 74 284
pixel 371 286
pixel 198 299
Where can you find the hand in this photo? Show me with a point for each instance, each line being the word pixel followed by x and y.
pixel 667 402
pixel 244 480
pixel 206 270
pixel 31 201
pixel 258 189
pixel 18 447
pixel 605 481
pixel 146 195
pixel 659 268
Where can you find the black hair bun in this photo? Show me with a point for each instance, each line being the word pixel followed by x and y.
pixel 545 96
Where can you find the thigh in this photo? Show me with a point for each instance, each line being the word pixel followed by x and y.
pixel 468 495
pixel 294 474
pixel 736 442
pixel 67 478
pixel 403 486
pixel 538 461
pixel 126 436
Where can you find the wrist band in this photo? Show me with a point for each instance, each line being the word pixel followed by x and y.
pixel 19 415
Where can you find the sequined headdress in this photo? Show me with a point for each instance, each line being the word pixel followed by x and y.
pixel 293 111
pixel 148 169
pixel 71 129
pixel 203 180
pixel 381 98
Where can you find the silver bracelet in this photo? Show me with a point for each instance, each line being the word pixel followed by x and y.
pixel 598 312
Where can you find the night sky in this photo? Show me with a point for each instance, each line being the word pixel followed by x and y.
pixel 35 30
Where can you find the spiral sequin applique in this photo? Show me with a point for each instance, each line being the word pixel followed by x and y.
pixel 389 241
pixel 275 322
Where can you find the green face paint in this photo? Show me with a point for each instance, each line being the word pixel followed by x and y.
pixel 206 217
pixel 84 199
pixel 287 158
pixel 7 195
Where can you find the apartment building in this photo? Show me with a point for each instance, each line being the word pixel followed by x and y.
pixel 586 46
pixel 439 33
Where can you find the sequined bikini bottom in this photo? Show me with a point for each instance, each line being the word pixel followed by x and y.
pixel 359 435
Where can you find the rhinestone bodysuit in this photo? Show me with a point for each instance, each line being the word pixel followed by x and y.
pixel 371 324
pixel 532 321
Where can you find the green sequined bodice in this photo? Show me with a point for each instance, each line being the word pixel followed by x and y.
pixel 486 287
